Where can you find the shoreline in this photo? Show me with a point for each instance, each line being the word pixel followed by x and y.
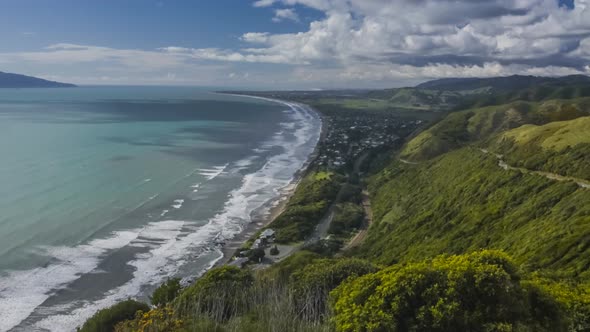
pixel 277 205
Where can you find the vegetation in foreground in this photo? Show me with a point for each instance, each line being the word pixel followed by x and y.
pixel 480 291
pixel 457 243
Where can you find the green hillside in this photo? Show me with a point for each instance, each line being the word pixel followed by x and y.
pixel 419 99
pixel 461 128
pixel 507 83
pixel 463 201
pixel 532 94
pixel 561 147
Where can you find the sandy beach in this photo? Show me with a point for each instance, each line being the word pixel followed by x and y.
pixel 276 206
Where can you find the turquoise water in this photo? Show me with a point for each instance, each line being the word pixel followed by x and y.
pixel 107 191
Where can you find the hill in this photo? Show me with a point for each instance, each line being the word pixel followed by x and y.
pixel 508 83
pixel 8 80
pixel 441 95
pixel 464 201
pixel 456 197
pixel 561 147
pixel 465 127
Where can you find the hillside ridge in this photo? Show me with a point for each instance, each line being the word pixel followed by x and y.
pixel 10 80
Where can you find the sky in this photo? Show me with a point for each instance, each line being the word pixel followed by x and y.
pixel 291 44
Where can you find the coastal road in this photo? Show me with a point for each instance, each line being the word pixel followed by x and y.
pixel 551 176
pixel 368 221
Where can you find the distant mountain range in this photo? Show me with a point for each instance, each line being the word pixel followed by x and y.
pixel 501 83
pixel 463 93
pixel 8 80
pixel 450 94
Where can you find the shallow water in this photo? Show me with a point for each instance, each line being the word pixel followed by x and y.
pixel 106 192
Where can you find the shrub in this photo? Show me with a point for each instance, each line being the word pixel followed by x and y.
pixel 255 255
pixel 221 293
pixel 167 292
pixel 274 251
pixel 349 216
pixel 159 319
pixel 106 319
pixel 325 247
pixel 351 193
pixel 475 292
pixel 281 271
pixel 312 284
pixel 574 299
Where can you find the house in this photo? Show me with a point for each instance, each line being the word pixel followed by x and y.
pixel 267 236
pixel 258 244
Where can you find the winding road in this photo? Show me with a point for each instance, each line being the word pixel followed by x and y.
pixel 551 176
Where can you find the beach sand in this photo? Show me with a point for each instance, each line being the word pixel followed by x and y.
pixel 277 206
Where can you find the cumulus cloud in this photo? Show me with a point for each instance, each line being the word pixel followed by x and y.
pixel 263 3
pixel 433 38
pixel 368 42
pixel 285 14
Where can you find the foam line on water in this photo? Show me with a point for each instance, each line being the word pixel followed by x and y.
pixel 276 174
pixel 151 268
pixel 22 291
pixel 178 203
pixel 212 173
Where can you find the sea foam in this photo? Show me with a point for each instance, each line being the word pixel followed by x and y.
pixel 212 173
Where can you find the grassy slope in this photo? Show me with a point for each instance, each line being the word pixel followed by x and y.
pixel 461 128
pixel 537 93
pixel 462 201
pixel 457 199
pixel 561 147
pixel 553 136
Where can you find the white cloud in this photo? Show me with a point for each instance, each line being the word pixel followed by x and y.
pixel 388 39
pixel 263 3
pixel 285 14
pixel 368 42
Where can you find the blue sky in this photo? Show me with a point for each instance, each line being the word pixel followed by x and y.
pixel 292 43
pixel 32 24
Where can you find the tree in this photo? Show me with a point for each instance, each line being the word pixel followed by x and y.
pixel 274 251
pixel 167 292
pixel 255 255
pixel 106 319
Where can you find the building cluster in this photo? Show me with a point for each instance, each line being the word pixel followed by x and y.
pixel 348 137
pixel 264 240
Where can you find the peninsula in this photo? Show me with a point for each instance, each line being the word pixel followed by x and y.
pixel 9 80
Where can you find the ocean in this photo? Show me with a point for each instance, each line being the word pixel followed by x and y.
pixel 106 192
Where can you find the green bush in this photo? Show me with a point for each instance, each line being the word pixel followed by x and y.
pixel 307 207
pixel 351 193
pixel 481 291
pixel 167 292
pixel 574 299
pixel 106 319
pixel 281 271
pixel 325 247
pixel 255 255
pixel 348 217
pixel 274 251
pixel 220 294
pixel 312 284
